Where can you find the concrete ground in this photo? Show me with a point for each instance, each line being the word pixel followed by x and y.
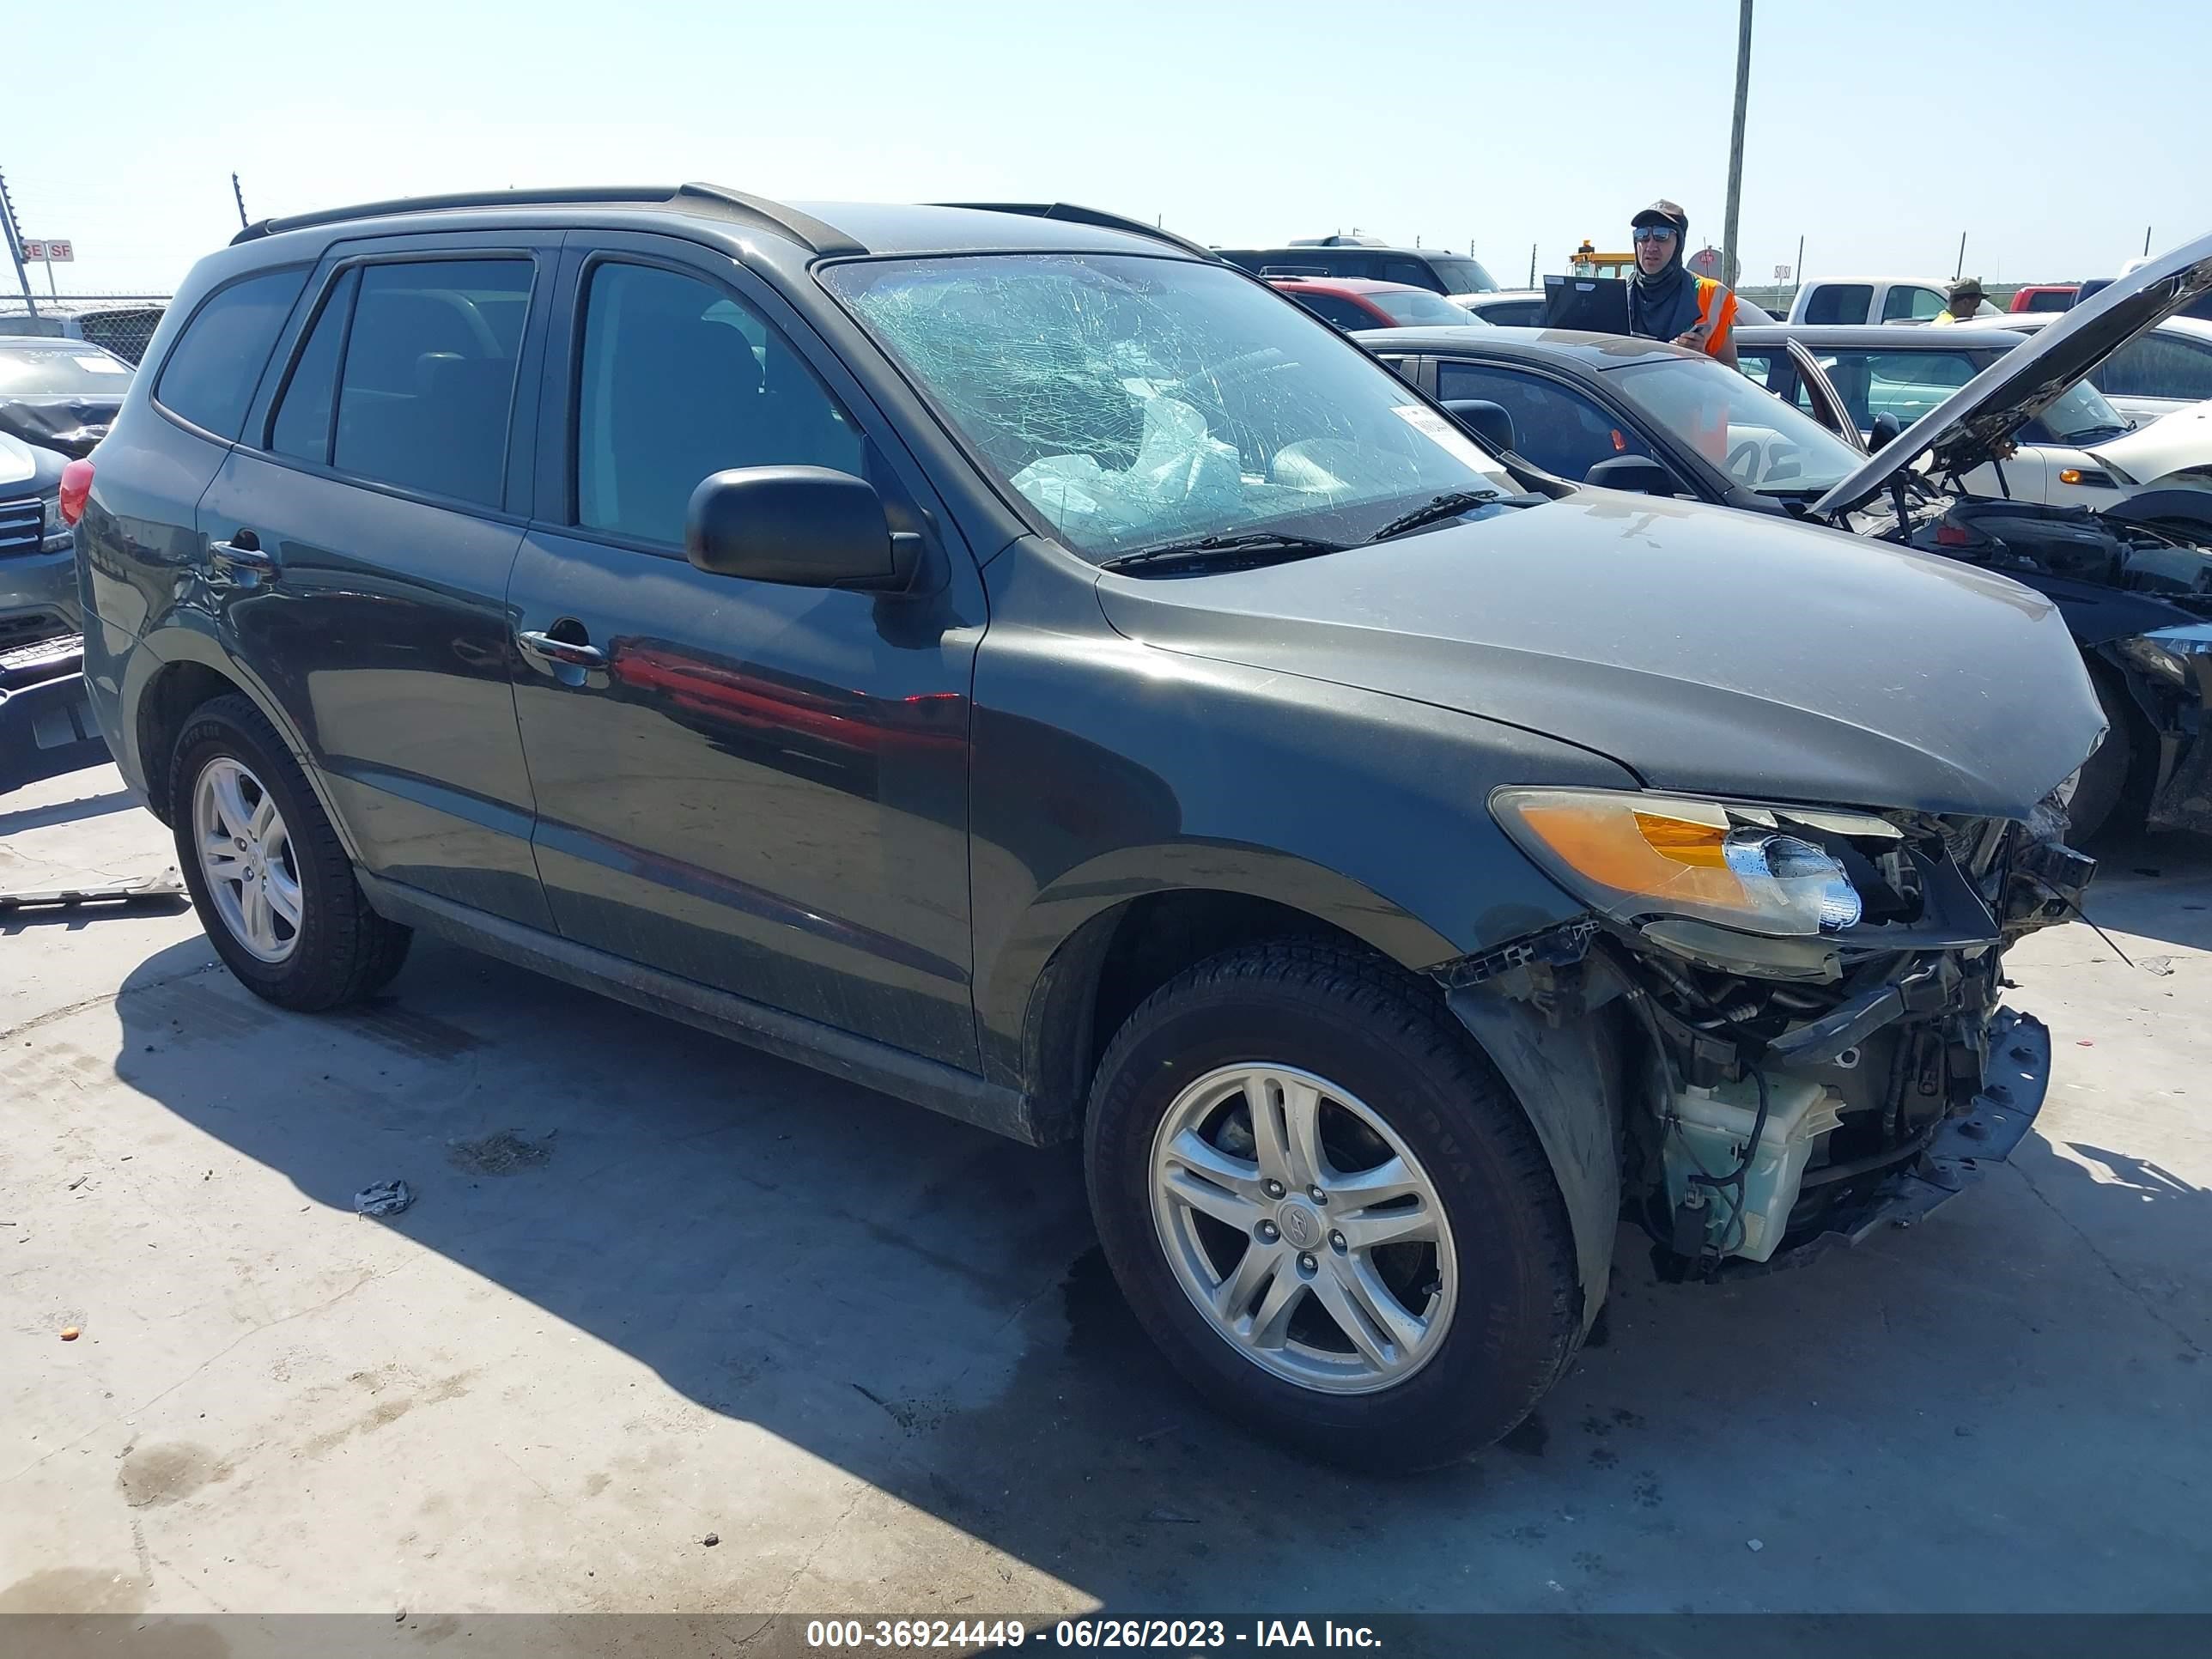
pixel 655 1287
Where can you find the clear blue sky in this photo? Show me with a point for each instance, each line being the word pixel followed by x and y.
pixel 2052 131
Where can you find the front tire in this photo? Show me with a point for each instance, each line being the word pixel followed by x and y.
pixel 2104 797
pixel 1327 1210
pixel 267 873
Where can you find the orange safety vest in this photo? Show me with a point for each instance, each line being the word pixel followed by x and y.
pixel 1707 288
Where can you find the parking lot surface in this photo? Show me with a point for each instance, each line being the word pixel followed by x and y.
pixel 656 1288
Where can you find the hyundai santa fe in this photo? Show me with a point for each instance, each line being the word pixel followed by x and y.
pixel 1009 657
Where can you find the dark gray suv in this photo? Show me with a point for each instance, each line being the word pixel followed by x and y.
pixel 1011 658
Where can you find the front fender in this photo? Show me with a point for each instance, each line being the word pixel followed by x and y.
pixel 1570 1078
pixel 1140 773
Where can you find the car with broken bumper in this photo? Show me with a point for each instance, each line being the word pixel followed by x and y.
pixel 1393 865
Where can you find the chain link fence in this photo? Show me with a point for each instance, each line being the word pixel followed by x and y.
pixel 123 322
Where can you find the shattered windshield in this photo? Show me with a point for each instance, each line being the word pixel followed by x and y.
pixel 1759 440
pixel 1134 403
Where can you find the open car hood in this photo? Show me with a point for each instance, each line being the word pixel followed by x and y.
pixel 1966 429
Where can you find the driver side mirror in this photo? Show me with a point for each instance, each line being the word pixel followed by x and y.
pixel 1638 474
pixel 1886 426
pixel 1491 424
pixel 800 527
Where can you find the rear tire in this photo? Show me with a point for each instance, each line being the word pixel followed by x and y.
pixel 1482 1299
pixel 267 873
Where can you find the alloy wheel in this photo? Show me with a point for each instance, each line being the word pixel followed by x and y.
pixel 1303 1228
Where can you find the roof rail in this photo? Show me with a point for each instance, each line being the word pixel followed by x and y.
pixel 1069 212
pixel 711 200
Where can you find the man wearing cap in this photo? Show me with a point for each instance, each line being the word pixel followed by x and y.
pixel 1965 299
pixel 1665 301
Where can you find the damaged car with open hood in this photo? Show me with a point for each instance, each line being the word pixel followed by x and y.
pixel 1005 656
pixel 2133 580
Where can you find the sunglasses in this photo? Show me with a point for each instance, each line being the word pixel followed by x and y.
pixel 1653 233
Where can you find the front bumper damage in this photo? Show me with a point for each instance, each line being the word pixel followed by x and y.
pixel 1953 1157
pixel 1754 1105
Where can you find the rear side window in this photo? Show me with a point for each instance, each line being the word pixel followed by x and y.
pixel 2158 366
pixel 210 374
pixel 1839 302
pixel 428 384
pixel 1335 309
pixel 302 429
pixel 1414 273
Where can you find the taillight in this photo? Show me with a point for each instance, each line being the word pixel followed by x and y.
pixel 77 487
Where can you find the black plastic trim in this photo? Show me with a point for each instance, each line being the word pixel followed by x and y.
pixel 856 1058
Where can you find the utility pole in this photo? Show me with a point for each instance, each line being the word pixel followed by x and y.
pixel 1797 272
pixel 15 249
pixel 1532 265
pixel 1960 269
pixel 238 196
pixel 2146 241
pixel 1729 272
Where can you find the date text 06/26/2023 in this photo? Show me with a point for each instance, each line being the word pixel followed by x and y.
pixel 1173 1635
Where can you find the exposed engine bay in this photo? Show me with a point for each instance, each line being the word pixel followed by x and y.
pixel 1779 1094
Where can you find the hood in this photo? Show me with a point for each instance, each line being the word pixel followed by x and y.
pixel 1964 430
pixel 1704 649
pixel 70 424
pixel 27 468
pixel 2166 446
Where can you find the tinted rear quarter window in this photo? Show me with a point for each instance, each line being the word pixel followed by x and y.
pixel 1839 302
pixel 429 381
pixel 302 427
pixel 211 372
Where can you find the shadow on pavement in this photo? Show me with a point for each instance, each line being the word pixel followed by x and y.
pixel 922 1304
pixel 66 812
pixel 2156 885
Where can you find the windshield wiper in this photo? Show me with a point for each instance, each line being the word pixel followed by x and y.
pixel 1438 508
pixel 1255 546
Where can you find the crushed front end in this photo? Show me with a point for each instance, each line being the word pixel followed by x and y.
pixel 1800 1008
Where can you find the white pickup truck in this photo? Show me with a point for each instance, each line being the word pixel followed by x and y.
pixel 1875 299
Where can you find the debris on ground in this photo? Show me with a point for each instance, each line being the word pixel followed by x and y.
pixel 711 1539
pixel 386 1198
pixel 502 1154
pixel 1172 1517
pixel 1754 1545
pixel 69 1333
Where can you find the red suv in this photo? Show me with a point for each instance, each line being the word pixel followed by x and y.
pixel 1350 302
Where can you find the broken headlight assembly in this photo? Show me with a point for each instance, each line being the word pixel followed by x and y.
pixel 1632 857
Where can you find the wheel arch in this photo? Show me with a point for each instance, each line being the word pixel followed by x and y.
pixel 1098 941
pixel 183 669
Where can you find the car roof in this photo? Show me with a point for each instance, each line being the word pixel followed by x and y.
pixel 1592 352
pixel 1342 248
pixel 1343 285
pixel 822 228
pixel 1879 336
pixel 2029 321
pixel 1939 283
